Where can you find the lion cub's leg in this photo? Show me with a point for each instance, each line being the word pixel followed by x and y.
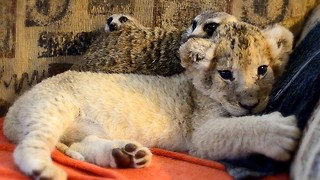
pixel 272 134
pixel 114 153
pixel 33 154
pixel 37 127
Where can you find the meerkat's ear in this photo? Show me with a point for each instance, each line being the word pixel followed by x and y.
pixel 197 53
pixel 280 40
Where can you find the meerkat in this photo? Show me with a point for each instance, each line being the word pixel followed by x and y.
pixel 129 47
pixel 134 50
pixel 116 21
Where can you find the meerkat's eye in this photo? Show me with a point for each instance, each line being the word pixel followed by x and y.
pixel 262 70
pixel 109 20
pixel 194 24
pixel 209 28
pixel 226 74
pixel 123 19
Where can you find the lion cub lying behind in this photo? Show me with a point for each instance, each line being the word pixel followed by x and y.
pixel 110 119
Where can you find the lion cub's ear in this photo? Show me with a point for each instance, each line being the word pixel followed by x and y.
pixel 280 40
pixel 197 53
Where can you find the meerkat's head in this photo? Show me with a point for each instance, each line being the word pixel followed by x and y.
pixel 207 22
pixel 238 66
pixel 116 21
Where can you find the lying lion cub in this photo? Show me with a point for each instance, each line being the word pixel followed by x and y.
pixel 100 118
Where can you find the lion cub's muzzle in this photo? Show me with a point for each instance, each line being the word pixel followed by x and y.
pixel 248 100
pixel 250 106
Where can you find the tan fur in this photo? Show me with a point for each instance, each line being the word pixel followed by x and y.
pixel 133 48
pixel 96 113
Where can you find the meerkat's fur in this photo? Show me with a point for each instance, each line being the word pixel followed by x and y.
pixel 133 48
pixel 151 51
pixel 111 119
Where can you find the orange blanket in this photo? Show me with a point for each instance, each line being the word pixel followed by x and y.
pixel 165 165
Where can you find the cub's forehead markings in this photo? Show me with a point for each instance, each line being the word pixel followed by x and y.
pixel 244 42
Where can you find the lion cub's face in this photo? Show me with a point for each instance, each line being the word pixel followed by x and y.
pixel 238 66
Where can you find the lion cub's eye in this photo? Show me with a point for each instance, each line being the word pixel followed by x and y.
pixel 226 74
pixel 123 19
pixel 262 70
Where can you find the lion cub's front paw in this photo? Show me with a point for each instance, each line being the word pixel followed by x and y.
pixel 131 155
pixel 281 137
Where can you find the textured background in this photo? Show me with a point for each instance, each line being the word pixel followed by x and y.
pixel 40 38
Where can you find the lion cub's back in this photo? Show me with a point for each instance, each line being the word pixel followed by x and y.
pixel 153 105
pixel 108 98
pixel 134 96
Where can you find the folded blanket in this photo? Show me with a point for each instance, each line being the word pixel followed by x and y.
pixel 165 165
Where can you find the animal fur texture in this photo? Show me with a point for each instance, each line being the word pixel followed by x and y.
pixel 111 119
pixel 129 47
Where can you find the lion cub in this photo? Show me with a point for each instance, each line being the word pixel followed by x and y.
pixel 111 119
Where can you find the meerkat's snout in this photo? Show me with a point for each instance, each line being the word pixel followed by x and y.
pixel 113 26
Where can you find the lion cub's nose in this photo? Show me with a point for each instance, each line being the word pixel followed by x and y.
pixel 248 106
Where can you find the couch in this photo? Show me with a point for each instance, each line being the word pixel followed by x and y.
pixel 39 39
